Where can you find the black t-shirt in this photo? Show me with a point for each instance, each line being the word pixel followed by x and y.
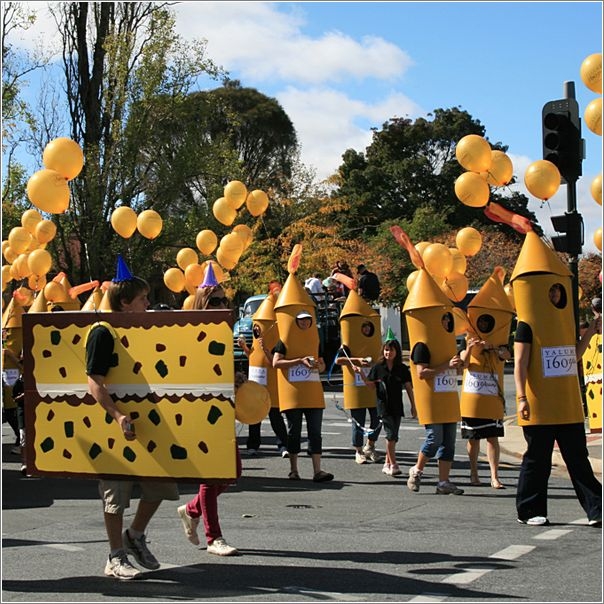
pixel 280 348
pixel 389 387
pixel 420 354
pixel 100 355
pixel 524 333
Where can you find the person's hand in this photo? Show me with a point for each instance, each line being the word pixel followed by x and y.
pixel 241 341
pixel 456 361
pixel 127 427
pixel 413 412
pixel 524 410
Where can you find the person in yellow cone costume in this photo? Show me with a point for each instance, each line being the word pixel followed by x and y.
pixel 361 344
pixel 296 358
pixel 261 370
pixel 548 395
pixel 482 401
pixel 434 367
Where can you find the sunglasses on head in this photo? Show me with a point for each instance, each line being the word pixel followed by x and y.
pixel 217 301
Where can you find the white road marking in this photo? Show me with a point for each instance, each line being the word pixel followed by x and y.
pixel 429 597
pixel 64 547
pixel 552 534
pixel 466 576
pixel 512 552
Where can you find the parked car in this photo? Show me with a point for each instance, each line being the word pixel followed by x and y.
pixel 243 327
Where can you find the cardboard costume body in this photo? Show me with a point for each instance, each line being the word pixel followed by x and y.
pixel 482 383
pixel 552 385
pixel 264 325
pixel 592 373
pixel 436 400
pixel 298 386
pixel 355 313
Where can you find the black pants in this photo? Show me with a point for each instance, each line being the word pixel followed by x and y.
pixel 277 424
pixel 531 498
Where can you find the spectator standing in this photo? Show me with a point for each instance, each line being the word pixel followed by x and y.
pixel 369 284
pixel 548 395
pixel 126 293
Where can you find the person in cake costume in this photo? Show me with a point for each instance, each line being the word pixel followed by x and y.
pixel 361 346
pixel 434 367
pixel 548 394
pixel 482 401
pixel 296 358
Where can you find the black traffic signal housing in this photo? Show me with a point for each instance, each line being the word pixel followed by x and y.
pixel 562 144
pixel 570 223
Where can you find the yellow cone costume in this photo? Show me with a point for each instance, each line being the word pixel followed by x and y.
pixel 592 373
pixel 354 314
pixel 299 387
pixel 436 400
pixel 482 384
pixel 552 386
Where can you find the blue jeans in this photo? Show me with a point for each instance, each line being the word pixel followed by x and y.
pixel 440 441
pixel 314 421
pixel 358 424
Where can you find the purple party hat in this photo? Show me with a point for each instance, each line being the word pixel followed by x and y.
pixel 209 279
pixel 122 272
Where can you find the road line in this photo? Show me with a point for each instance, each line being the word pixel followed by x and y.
pixel 512 552
pixel 429 597
pixel 467 575
pixel 552 534
pixel 64 547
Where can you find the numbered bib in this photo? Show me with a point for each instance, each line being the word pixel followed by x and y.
pixel 9 376
pixel 446 381
pixel 478 382
pixel 301 373
pixel 358 380
pixel 258 374
pixel 559 361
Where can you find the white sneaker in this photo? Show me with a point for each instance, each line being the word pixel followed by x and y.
pixel 448 488
pixel 360 458
pixel 119 567
pixel 415 479
pixel 371 454
pixel 535 521
pixel 396 471
pixel 221 548
pixel 387 469
pixel 189 525
pixel 284 452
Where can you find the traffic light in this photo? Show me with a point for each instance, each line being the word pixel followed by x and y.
pixel 570 223
pixel 562 144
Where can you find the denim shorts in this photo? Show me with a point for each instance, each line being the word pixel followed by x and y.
pixel 440 441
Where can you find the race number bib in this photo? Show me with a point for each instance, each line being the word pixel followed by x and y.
pixel 559 361
pixel 477 382
pixel 446 381
pixel 301 373
pixel 358 380
pixel 258 374
pixel 9 376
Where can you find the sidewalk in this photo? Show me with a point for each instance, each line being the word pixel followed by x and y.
pixel 513 445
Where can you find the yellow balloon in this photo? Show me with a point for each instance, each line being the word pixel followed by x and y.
pixel 223 211
pixel 252 402
pixel 206 241
pixel 188 303
pixel 232 245
pixel 227 262
pixel 48 191
pixel 9 254
pixel 593 116
pixel 257 202
pixel 29 219
pixel 235 192
pixel 459 261
pixel 186 256
pixel 20 268
pixel 598 238
pixel 123 221
pixel 55 292
pixel 421 246
pixel 64 156
pixel 6 276
pixel 501 170
pixel 19 239
pixel 45 231
pixel 174 279
pixel 438 260
pixel 39 262
pixel 596 189
pixel 245 233
pixel 542 179
pixel 473 153
pixel 149 224
pixel 411 279
pixel 472 190
pixel 468 241
pixel 193 275
pixel 591 72
pixel 455 286
pixel 36 282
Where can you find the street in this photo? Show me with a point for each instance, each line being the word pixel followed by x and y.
pixel 365 537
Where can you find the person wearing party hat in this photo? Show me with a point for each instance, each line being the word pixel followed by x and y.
pixel 361 343
pixel 434 367
pixel 389 376
pixel 204 506
pixel 482 401
pixel 296 357
pixel 126 293
pixel 548 394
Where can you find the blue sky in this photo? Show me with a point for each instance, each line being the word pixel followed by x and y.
pixel 341 68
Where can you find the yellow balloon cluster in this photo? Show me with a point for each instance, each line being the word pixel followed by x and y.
pixel 126 222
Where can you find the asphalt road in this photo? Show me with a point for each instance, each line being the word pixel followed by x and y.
pixel 362 538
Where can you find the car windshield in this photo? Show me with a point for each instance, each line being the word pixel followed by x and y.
pixel 251 307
